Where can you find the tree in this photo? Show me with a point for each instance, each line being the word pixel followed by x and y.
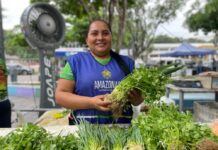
pixel 15 44
pixel 109 10
pixel 165 39
pixel 133 22
pixel 76 32
pixel 205 19
pixel 144 19
pixel 168 39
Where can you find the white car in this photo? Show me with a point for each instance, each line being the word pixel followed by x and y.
pixel 19 69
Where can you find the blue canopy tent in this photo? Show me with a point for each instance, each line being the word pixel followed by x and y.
pixel 186 49
pixel 64 52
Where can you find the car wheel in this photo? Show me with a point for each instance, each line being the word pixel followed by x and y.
pixel 24 72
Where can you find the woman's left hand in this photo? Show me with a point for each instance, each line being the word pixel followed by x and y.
pixel 135 97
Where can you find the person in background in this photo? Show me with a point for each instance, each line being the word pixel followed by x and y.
pixel 5 105
pixel 89 76
pixel 200 65
pixel 213 68
pixel 13 73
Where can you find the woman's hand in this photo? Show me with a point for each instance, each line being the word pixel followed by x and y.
pixel 135 97
pixel 100 104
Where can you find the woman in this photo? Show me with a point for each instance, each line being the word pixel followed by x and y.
pixel 89 76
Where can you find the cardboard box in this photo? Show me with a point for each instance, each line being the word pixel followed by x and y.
pixel 205 111
pixel 214 83
pixel 209 82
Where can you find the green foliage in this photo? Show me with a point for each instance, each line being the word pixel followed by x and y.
pixel 166 128
pixel 91 137
pixel 141 20
pixel 75 7
pixel 162 128
pixel 205 19
pixel 15 44
pixel 145 18
pixel 31 137
pixel 166 39
pixel 149 81
pixel 135 139
pixel 194 40
pixel 77 32
pixel 100 137
pixel 34 1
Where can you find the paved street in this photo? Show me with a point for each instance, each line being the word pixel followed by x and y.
pixel 25 79
pixel 19 102
pixel 19 117
pixel 23 101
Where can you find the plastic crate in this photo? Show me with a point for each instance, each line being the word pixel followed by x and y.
pixel 206 111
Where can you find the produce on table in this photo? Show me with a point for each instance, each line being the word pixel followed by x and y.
pixel 91 137
pixel 117 138
pixel 101 137
pixel 164 127
pixel 61 114
pixel 32 137
pixel 161 128
pixel 149 81
pixel 53 118
pixel 134 140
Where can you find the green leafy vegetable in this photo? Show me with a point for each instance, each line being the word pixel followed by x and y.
pixel 149 81
pixel 164 127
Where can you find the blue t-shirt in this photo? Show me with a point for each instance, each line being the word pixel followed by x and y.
pixel 92 78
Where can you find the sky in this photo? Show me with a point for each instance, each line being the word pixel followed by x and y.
pixel 176 26
pixel 13 11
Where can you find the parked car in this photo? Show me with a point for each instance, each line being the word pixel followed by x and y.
pixel 19 69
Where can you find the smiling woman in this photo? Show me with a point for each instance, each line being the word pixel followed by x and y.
pixel 88 77
pixel 99 39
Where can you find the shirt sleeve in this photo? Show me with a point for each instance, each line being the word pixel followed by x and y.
pixel 66 72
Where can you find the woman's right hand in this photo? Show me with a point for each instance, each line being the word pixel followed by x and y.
pixel 99 103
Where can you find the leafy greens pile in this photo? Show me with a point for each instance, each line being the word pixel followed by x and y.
pixel 164 127
pixel 32 137
pixel 149 81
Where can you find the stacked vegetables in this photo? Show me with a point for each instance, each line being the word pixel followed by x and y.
pixel 163 127
pixel 149 81
pixel 32 137
pixel 95 137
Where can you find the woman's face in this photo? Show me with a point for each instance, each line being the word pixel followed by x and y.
pixel 99 39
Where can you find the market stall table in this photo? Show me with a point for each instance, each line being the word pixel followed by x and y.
pixel 182 91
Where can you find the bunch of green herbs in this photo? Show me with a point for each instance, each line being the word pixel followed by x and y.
pixel 166 128
pixel 33 137
pixel 150 82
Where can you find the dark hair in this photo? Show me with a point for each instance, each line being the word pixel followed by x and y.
pixel 101 20
pixel 120 62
